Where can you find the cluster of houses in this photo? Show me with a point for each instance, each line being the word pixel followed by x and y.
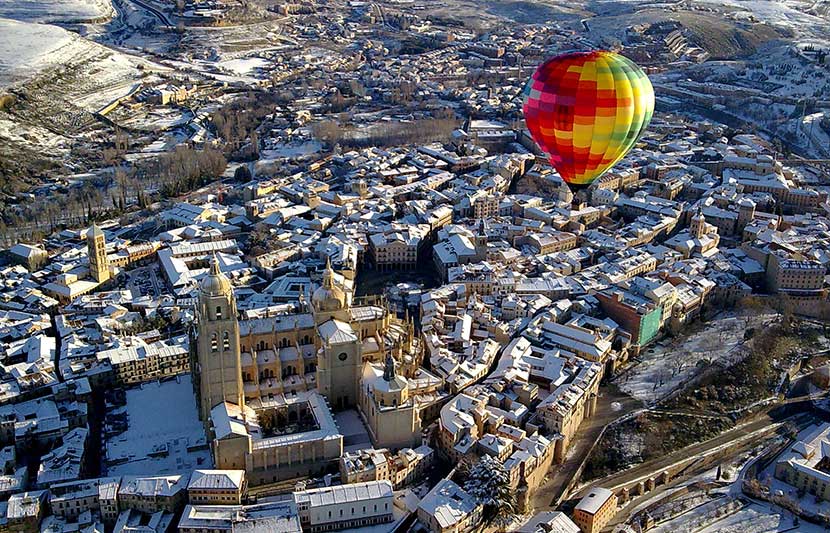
pixel 523 298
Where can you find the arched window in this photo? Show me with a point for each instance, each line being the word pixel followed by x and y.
pixel 218 312
pixel 226 341
pixel 214 342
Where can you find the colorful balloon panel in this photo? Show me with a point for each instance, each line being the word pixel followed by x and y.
pixel 586 110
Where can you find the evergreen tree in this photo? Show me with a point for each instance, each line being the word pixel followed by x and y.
pixel 489 483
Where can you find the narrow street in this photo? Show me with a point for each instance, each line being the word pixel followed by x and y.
pixel 544 498
pixel 58 341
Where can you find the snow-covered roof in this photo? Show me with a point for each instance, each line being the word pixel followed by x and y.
pixel 594 500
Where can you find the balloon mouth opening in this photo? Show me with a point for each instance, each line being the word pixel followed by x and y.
pixel 576 187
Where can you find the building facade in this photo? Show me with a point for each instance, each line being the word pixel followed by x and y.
pixel 267 385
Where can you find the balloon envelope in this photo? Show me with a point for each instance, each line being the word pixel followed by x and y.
pixel 586 110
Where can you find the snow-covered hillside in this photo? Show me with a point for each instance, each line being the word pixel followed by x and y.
pixel 26 49
pixel 54 11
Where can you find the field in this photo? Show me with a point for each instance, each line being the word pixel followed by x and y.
pixel 648 436
pixel 26 49
pixel 721 37
pixel 672 362
pixel 53 11
pixel 58 80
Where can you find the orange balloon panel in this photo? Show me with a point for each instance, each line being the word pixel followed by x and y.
pixel 586 110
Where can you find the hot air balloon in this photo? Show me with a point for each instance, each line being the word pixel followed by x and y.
pixel 586 110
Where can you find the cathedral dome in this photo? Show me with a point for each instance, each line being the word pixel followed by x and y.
pixel 328 296
pixel 215 283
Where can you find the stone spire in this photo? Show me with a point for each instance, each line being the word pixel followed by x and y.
pixel 328 275
pixel 389 368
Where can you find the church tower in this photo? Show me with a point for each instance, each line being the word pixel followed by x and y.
pixel 746 213
pixel 697 226
pixel 362 188
pixel 96 247
pixel 481 241
pixel 218 352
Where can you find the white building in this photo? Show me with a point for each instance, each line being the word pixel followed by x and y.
pixel 345 506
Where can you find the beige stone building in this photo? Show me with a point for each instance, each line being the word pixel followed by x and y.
pixel 216 487
pixel 33 257
pixel 267 385
pixel 595 510
pixel 485 205
pixel 153 494
pixel 402 468
pixel 135 361
pixel 219 362
pixel 398 248
pixel 448 508
pixel 548 243
pixel 806 464
pixel 794 276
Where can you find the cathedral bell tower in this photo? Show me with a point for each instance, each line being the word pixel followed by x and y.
pixel 219 363
pixel 96 246
pixel 697 226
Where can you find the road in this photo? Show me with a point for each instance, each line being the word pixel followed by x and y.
pixel 753 440
pixel 544 498
pixel 747 434
pixel 155 12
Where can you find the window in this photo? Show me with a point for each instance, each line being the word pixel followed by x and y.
pixel 214 342
pixel 218 312
pixel 226 341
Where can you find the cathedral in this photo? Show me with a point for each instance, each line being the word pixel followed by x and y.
pixel 267 386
